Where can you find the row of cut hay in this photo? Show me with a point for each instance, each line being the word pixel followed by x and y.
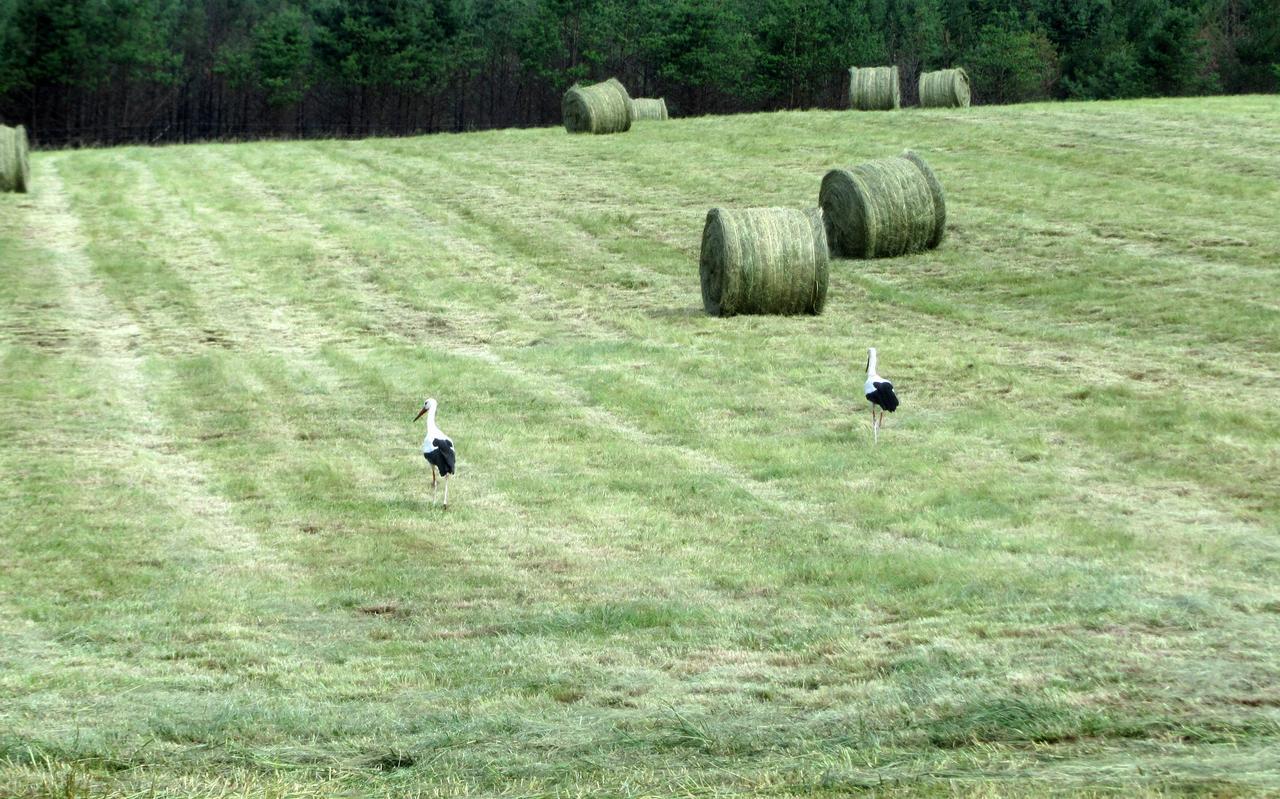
pixel 599 108
pixel 647 108
pixel 776 260
pixel 15 166
pixel 883 208
pixel 945 88
pixel 874 88
pixel 764 261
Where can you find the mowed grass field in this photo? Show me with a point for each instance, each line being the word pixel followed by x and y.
pixel 674 563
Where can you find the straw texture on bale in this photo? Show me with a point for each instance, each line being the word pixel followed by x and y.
pixel 8 159
pixel 24 159
pixel 946 88
pixel 764 261
pixel 874 88
pixel 15 171
pixel 598 108
pixel 883 208
pixel 648 108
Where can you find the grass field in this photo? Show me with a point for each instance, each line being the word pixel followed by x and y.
pixel 674 562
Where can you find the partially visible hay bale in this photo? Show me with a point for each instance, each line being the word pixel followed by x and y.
pixel 874 88
pixel 883 208
pixel 599 108
pixel 23 149
pixel 946 88
pixel 647 108
pixel 764 261
pixel 8 159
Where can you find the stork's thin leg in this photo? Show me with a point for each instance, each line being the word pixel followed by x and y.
pixel 446 490
pixel 875 428
pixel 433 483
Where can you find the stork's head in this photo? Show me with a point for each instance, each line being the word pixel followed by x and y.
pixel 427 407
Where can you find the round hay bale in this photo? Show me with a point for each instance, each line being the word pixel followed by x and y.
pixel 648 108
pixel 946 88
pixel 883 208
pixel 764 261
pixel 8 159
pixel 874 88
pixel 599 108
pixel 23 150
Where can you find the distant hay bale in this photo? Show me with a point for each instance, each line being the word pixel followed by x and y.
pixel 598 108
pixel 946 88
pixel 764 261
pixel 648 108
pixel 23 149
pixel 874 88
pixel 883 208
pixel 8 159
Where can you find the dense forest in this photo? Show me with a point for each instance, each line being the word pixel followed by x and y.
pixel 103 71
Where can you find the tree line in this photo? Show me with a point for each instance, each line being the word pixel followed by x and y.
pixel 107 71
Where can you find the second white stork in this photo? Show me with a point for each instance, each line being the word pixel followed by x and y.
pixel 879 392
pixel 437 448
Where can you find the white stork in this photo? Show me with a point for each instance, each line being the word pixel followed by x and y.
pixel 437 448
pixel 879 392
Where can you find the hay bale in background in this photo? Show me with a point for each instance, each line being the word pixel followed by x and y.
pixel 764 261
pixel 8 159
pixel 599 108
pixel 887 207
pixel 648 108
pixel 23 177
pixel 946 88
pixel 874 88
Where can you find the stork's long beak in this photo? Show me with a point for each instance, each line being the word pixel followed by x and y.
pixel 419 416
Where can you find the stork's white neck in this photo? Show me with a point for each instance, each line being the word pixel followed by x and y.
pixel 871 360
pixel 433 432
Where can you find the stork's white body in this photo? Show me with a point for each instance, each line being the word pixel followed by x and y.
pixel 438 450
pixel 873 376
pixel 433 433
pixel 879 392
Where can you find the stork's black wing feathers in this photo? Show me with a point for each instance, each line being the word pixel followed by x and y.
pixel 442 457
pixel 884 396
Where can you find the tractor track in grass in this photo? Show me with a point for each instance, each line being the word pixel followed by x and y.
pixel 547 385
pixel 595 415
pixel 555 386
pixel 287 329
pixel 116 342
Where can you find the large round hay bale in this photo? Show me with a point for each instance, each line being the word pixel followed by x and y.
pixel 23 150
pixel 946 88
pixel 764 261
pixel 598 108
pixel 883 208
pixel 874 88
pixel 649 108
pixel 8 159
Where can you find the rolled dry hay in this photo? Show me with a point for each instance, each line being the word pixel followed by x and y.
pixel 648 108
pixel 764 261
pixel 883 208
pixel 9 168
pixel 874 88
pixel 598 108
pixel 24 159
pixel 946 88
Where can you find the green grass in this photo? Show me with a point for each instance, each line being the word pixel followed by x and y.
pixel 675 564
